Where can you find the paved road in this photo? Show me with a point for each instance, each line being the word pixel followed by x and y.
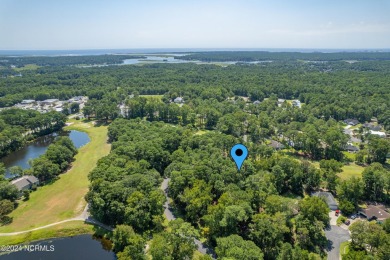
pixel 84 216
pixel 169 215
pixel 350 133
pixel 335 235
pixel 167 211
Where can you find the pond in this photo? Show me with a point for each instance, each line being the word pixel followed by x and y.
pixel 78 247
pixel 38 147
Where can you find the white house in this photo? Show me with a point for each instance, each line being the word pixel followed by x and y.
pixel 179 100
pixel 380 134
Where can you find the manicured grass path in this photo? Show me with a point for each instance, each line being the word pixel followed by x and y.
pixel 64 198
pixel 351 170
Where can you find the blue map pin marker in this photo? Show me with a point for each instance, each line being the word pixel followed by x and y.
pixel 239 153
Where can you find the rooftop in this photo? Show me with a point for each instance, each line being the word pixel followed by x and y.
pixel 350 121
pixel 276 144
pixel 329 199
pixel 24 181
pixel 178 100
pixel 28 101
pixel 377 212
pixel 50 100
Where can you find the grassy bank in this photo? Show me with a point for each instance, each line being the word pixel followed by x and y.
pixel 344 247
pixel 62 230
pixel 64 198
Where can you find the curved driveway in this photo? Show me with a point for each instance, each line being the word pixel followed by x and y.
pixel 335 235
pixel 169 215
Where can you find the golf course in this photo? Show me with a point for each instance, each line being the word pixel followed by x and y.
pixel 64 198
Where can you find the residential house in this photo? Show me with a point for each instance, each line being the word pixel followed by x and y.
pixel 276 145
pixel 25 183
pixel 351 148
pixel 372 127
pixel 296 103
pixel 328 197
pixel 380 134
pixel 280 101
pixel 350 121
pixel 375 212
pixel 179 100
pixel 27 101
pixel 50 101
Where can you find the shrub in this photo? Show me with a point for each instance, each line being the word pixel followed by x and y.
pixel 26 194
pixel 5 220
pixel 341 220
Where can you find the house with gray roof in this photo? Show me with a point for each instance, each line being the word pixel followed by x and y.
pixel 276 145
pixel 372 127
pixel 377 212
pixel 350 121
pixel 25 182
pixel 351 148
pixel 329 199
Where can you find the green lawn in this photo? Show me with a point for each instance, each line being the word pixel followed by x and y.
pixel 344 247
pixel 350 156
pixel 159 97
pixel 64 198
pixel 351 170
pixel 355 126
pixel 62 230
pixel 27 67
pixel 201 132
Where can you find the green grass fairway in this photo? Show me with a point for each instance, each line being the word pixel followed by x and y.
pixel 159 97
pixel 62 230
pixel 64 198
pixel 27 67
pixel 351 170
pixel 349 156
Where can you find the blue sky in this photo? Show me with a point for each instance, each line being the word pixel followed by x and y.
pixel 117 24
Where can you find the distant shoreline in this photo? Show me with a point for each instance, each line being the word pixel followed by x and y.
pixel 170 50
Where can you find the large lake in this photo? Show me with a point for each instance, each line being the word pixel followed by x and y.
pixel 83 247
pixel 171 59
pixel 39 147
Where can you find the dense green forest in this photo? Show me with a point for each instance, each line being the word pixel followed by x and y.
pixel 338 91
pixel 262 212
pixel 249 208
pixel 346 92
pixel 21 61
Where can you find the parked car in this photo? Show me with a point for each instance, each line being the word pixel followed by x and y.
pixel 337 212
pixel 347 222
pixel 353 216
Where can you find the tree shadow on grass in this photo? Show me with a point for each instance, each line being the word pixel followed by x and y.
pixel 102 123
